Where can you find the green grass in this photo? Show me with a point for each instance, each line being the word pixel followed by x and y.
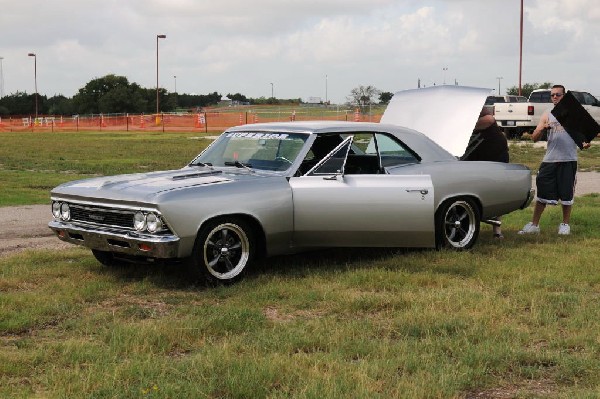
pixel 524 152
pixel 512 318
pixel 518 317
pixel 31 164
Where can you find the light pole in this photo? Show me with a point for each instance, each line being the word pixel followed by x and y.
pixel 272 95
pixel 326 89
pixel 1 79
pixel 157 100
pixel 444 69
pixel 175 77
pixel 499 79
pixel 35 82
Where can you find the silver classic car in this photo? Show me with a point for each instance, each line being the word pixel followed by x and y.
pixel 276 188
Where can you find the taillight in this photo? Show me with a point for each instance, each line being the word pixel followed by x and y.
pixel 530 110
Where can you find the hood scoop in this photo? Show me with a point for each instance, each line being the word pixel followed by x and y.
pixel 197 174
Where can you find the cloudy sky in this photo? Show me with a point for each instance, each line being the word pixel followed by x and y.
pixel 298 48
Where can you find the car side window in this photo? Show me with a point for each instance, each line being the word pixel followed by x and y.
pixel 540 97
pixel 579 97
pixel 588 99
pixel 335 162
pixel 393 152
pixel 360 154
pixel 371 153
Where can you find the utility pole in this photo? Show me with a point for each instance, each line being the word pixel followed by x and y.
pixel 521 50
pixel 1 79
pixel 157 97
pixel 35 82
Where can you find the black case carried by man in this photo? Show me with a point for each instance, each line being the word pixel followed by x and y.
pixel 576 120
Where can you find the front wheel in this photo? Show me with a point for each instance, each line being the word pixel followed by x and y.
pixel 458 224
pixel 222 251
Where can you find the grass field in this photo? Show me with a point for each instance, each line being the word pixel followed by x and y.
pixel 516 318
pixel 31 164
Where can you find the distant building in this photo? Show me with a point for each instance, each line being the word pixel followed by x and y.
pixel 314 100
pixel 225 101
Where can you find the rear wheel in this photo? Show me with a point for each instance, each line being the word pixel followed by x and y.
pixel 223 250
pixel 458 224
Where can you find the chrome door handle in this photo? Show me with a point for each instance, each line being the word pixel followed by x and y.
pixel 422 191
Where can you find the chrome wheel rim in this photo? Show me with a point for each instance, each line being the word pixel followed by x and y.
pixel 226 251
pixel 459 224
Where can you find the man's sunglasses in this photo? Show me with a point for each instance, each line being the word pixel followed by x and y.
pixel 556 95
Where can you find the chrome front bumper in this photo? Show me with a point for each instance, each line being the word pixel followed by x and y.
pixel 129 243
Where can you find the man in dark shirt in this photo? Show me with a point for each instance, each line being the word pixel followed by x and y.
pixel 487 143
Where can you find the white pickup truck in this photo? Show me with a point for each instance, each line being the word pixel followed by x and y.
pixel 518 118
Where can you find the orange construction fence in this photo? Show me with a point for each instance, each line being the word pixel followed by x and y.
pixel 204 121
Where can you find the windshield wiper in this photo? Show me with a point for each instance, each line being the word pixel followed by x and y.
pixel 238 164
pixel 208 164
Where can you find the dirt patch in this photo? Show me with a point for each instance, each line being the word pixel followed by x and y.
pixel 26 227
pixel 542 388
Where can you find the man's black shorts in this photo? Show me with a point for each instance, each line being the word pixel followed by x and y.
pixel 556 181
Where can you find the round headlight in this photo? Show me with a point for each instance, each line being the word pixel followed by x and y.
pixel 65 211
pixel 56 210
pixel 154 223
pixel 139 221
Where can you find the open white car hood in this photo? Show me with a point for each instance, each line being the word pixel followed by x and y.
pixel 445 114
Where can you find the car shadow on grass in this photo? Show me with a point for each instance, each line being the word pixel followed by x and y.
pixel 324 262
pixel 337 260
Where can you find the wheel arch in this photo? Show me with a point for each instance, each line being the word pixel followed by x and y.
pixel 476 200
pixel 443 205
pixel 255 225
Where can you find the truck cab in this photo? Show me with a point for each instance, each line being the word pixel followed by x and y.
pixel 518 118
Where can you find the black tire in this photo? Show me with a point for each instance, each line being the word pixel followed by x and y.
pixel 223 249
pixel 106 258
pixel 457 224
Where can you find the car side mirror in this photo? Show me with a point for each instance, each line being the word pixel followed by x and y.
pixel 335 176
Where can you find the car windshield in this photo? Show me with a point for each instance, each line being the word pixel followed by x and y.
pixel 257 150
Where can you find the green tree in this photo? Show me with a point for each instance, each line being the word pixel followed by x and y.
pixel 112 94
pixel 60 105
pixel 385 97
pixel 193 101
pixel 527 88
pixel 120 99
pixel 87 99
pixel 363 96
pixel 24 104
pixel 238 97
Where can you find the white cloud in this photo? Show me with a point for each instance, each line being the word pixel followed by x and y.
pixel 242 46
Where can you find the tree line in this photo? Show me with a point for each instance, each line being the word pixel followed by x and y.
pixel 527 88
pixel 113 94
pixel 106 95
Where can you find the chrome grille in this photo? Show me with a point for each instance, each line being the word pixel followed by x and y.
pixel 106 217
pixel 102 216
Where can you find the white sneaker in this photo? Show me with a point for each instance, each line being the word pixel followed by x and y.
pixel 530 228
pixel 564 229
